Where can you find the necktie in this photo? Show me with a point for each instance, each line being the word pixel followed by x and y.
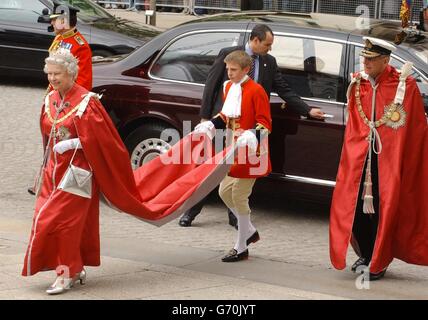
pixel 253 66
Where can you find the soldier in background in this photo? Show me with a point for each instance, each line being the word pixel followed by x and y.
pixel 63 23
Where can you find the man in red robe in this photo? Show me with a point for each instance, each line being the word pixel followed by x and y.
pixel 379 203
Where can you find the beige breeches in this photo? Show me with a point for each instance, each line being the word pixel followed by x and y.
pixel 235 193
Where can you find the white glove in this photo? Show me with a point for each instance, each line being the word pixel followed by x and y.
pixel 206 127
pixel 66 145
pixel 248 138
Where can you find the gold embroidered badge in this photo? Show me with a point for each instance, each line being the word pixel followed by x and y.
pixel 396 116
pixel 79 40
pixel 63 133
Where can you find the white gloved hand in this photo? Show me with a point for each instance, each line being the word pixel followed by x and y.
pixel 206 127
pixel 248 138
pixel 66 145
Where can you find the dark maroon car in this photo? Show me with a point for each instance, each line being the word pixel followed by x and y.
pixel 154 92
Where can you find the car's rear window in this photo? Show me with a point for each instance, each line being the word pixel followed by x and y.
pixel 312 67
pixel 30 5
pixel 190 58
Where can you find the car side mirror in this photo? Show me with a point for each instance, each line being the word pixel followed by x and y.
pixel 44 18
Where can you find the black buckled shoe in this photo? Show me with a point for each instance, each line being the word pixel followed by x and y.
pixel 234 256
pixel 360 262
pixel 254 238
pixel 377 276
pixel 186 220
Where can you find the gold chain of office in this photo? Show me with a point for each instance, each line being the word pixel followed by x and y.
pixel 48 113
pixel 390 112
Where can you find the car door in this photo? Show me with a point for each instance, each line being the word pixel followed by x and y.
pixel 302 149
pixel 24 42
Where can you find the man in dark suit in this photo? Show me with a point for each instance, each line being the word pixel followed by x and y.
pixel 265 71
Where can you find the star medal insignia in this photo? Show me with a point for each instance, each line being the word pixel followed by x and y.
pixel 63 133
pixel 396 116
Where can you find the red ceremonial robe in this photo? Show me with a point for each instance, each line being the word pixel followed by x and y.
pixel 403 178
pixel 65 231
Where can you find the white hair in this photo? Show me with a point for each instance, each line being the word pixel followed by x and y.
pixel 64 58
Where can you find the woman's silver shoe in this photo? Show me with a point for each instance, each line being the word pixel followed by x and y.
pixel 81 277
pixel 62 284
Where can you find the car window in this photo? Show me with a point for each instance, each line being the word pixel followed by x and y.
pixel 20 12
pixel 311 67
pixel 89 11
pixel 421 81
pixel 30 5
pixel 190 58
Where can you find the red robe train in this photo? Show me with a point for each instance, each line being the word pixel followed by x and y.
pixel 65 227
pixel 403 178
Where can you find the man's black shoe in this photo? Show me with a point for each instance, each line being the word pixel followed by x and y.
pixel 254 238
pixel 234 256
pixel 185 220
pixel 232 219
pixel 377 276
pixel 360 262
pixel 31 191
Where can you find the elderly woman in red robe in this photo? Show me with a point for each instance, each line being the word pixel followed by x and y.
pixel 77 132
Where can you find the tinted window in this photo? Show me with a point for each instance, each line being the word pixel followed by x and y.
pixel 422 83
pixel 32 5
pixel 20 11
pixel 190 58
pixel 312 67
pixel 88 10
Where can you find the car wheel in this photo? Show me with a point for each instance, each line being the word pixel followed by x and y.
pixel 100 53
pixel 149 141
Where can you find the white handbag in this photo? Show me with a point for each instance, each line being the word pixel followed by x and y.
pixel 76 180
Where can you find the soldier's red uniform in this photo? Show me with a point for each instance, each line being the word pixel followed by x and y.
pixel 79 47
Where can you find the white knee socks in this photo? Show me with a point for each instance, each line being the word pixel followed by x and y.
pixel 245 230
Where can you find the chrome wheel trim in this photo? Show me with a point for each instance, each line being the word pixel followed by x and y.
pixel 147 150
